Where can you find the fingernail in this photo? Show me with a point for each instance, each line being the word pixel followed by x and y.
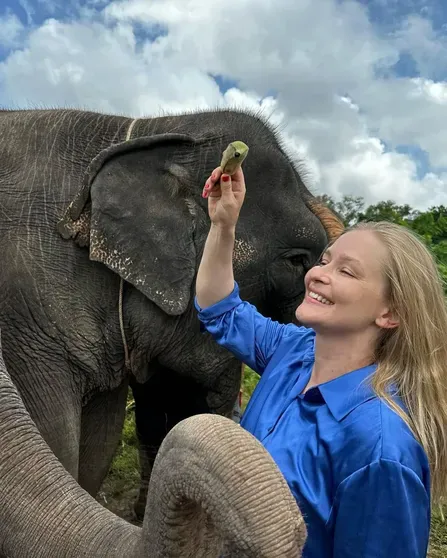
pixel 205 194
pixel 225 178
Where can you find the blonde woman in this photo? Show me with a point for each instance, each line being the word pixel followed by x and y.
pixel 352 405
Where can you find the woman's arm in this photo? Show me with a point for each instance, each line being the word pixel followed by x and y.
pixel 215 278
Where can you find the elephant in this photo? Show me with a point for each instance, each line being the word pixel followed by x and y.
pixel 102 226
pixel 205 499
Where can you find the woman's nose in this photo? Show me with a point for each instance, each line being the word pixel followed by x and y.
pixel 319 273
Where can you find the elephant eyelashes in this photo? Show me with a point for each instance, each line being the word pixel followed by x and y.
pixel 298 260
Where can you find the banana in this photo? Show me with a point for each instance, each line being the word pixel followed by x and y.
pixel 233 157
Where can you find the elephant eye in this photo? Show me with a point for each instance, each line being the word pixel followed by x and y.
pixel 298 260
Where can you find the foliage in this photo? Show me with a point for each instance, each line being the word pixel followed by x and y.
pixel 438 538
pixel 248 386
pixel 125 471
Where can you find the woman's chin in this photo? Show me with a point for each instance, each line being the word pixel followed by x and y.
pixel 303 317
pixel 309 317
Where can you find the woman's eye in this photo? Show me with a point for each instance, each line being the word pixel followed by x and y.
pixel 346 272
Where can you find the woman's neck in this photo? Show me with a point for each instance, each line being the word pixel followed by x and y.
pixel 335 356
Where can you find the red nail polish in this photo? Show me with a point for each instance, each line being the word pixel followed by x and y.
pixel 225 178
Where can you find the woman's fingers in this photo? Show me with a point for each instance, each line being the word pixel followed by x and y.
pixel 238 180
pixel 216 174
pixel 212 184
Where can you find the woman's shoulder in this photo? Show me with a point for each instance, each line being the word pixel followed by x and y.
pixel 377 433
pixel 399 442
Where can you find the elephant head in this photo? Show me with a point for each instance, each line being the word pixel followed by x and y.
pixel 214 492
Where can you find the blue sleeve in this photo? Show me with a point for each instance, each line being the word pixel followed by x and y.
pixel 240 328
pixel 382 511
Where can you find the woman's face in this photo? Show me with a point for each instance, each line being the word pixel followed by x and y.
pixel 346 290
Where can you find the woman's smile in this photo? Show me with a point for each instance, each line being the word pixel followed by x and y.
pixel 317 298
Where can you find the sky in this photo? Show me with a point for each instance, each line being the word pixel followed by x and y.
pixel 357 87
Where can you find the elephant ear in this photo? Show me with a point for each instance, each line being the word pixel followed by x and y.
pixel 136 214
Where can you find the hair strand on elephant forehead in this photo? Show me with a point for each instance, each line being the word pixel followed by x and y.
pixel 332 225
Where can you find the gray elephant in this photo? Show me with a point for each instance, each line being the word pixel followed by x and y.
pixel 102 225
pixel 205 498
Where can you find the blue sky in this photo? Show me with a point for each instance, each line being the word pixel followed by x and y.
pixel 360 88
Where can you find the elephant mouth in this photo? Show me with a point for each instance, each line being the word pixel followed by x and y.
pixel 225 400
pixel 216 407
pixel 284 311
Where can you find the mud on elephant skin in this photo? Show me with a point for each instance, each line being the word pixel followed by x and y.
pixel 102 229
pixel 202 502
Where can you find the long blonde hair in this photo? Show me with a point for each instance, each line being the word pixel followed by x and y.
pixel 413 356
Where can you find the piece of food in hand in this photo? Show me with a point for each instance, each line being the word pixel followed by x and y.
pixel 233 157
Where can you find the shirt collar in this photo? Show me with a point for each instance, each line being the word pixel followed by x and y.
pixel 343 394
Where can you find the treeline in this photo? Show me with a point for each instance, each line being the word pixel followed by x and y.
pixel 431 225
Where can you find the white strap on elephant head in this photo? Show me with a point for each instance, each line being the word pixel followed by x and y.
pixel 127 364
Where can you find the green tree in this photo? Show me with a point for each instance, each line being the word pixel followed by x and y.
pixel 432 224
pixel 347 209
pixel 387 211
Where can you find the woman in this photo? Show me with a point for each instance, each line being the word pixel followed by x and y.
pixel 352 405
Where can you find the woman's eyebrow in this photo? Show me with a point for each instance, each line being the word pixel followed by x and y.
pixel 347 258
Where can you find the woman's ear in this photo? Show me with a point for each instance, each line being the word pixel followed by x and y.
pixel 387 320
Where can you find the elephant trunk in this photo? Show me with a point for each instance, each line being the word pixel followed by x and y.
pixel 215 491
pixel 43 511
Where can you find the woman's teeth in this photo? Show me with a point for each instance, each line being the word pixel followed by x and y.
pixel 320 298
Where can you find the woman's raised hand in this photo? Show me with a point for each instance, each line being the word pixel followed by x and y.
pixel 225 197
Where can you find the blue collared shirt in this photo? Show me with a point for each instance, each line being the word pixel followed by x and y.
pixel 358 474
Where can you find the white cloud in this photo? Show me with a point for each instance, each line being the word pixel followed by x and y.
pixel 415 113
pixel 378 175
pixel 10 30
pixel 321 59
pixel 427 46
pixel 94 67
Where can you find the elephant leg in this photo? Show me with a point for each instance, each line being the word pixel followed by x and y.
pixel 101 427
pixel 160 403
pixel 55 407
